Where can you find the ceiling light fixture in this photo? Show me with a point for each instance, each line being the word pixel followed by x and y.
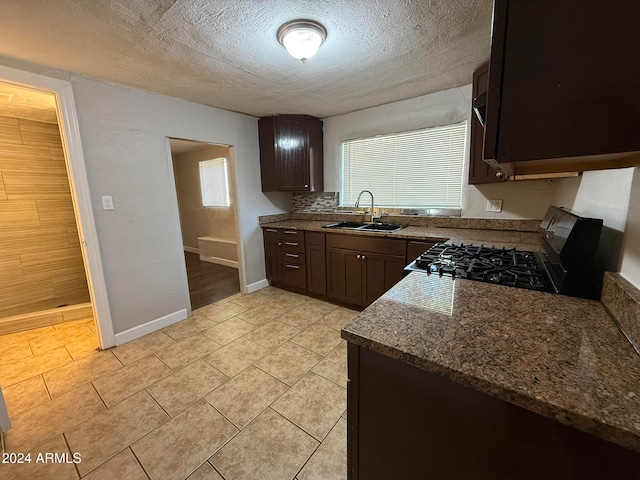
pixel 302 38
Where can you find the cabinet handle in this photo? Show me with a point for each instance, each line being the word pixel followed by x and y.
pixel 293 244
pixel 363 258
pixel 358 257
pixel 272 230
pixel 291 232
pixel 306 186
pixel 279 243
pixel 294 255
pixel 292 266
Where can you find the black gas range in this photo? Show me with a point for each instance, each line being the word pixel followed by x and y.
pixel 563 264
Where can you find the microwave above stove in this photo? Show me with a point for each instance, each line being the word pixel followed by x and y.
pixel 563 264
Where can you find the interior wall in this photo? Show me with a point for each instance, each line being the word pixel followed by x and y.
pixel 123 132
pixel 196 220
pixel 630 265
pixel 41 263
pixel 527 199
pixel 605 194
pixel 124 135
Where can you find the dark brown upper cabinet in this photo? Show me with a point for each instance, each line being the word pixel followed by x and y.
pixel 563 86
pixel 479 170
pixel 291 153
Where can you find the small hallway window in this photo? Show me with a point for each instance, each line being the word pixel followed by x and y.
pixel 214 183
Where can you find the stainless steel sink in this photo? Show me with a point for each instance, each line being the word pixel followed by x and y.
pixel 367 227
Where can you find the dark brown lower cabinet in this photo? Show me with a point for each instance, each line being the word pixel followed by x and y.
pixel 409 424
pixel 272 248
pixel 361 269
pixel 350 270
pixel 381 272
pixel 316 263
pixel 344 275
pixel 285 258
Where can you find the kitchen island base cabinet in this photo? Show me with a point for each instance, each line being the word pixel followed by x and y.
pixel 404 422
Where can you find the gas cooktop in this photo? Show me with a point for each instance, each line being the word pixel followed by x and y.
pixel 515 268
pixel 564 264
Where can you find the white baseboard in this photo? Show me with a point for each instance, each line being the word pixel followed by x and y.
pixel 152 326
pixel 219 261
pixel 191 249
pixel 254 287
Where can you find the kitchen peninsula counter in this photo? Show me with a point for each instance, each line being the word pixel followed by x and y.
pixel 560 357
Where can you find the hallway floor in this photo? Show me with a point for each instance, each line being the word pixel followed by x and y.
pixel 251 387
pixel 209 282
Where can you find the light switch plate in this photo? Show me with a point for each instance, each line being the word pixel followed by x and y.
pixel 107 202
pixel 494 206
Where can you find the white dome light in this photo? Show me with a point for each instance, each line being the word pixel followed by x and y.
pixel 302 38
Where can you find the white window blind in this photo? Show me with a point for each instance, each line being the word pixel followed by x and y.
pixel 214 183
pixel 411 169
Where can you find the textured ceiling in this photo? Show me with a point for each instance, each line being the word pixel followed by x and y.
pixel 225 53
pixel 27 103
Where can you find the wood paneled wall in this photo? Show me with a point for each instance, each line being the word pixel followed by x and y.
pixel 40 258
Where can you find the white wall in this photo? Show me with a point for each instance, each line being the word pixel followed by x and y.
pixel 526 199
pixel 123 132
pixel 607 194
pixel 630 267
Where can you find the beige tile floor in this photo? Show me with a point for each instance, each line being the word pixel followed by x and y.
pixel 250 388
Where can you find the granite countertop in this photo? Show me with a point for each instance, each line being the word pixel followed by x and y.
pixel 558 356
pixel 508 239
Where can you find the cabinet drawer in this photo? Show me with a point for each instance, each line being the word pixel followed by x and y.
pixel 294 275
pixel 294 257
pixel 285 234
pixel 290 245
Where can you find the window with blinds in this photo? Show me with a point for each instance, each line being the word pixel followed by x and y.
pixel 214 183
pixel 411 169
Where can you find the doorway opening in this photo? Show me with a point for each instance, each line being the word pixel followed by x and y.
pixel 44 288
pixel 205 183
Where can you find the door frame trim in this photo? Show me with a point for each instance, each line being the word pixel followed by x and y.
pixel 80 193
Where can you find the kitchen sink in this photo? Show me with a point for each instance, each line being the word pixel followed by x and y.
pixel 367 227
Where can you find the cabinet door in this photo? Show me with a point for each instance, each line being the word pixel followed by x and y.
pixel 292 153
pixel 272 253
pixel 479 170
pixel 564 80
pixel 316 269
pixel 381 272
pixel 344 275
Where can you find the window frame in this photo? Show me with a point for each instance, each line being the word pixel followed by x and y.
pixel 459 130
pixel 206 196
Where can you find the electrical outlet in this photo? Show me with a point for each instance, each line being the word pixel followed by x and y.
pixel 494 206
pixel 107 202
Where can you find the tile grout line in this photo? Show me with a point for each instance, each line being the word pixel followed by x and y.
pixel 66 442
pixel 99 396
pixel 138 460
pixel 46 387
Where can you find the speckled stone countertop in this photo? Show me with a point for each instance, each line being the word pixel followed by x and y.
pixel 558 356
pixel 508 239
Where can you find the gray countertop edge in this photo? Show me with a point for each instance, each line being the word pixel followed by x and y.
pixel 431 354
pixel 542 407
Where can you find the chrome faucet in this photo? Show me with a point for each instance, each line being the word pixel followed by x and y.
pixel 358 201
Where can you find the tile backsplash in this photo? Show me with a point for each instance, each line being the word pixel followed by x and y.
pixel 315 202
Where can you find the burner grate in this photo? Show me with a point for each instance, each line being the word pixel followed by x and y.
pixel 502 266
